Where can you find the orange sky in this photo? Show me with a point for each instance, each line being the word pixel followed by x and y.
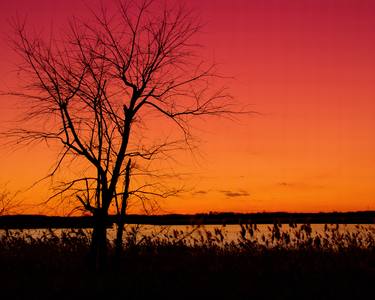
pixel 307 66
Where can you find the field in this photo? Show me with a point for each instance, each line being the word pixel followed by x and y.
pixel 286 264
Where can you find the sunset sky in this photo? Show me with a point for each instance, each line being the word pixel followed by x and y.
pixel 307 67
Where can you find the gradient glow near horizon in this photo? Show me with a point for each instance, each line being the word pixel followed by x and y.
pixel 308 68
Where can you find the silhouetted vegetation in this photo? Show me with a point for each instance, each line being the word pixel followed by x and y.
pixel 287 262
pixel 8 202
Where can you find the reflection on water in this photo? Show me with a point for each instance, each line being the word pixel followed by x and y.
pixel 268 235
pixel 261 234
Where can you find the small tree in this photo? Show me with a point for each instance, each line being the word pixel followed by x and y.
pixel 89 90
pixel 9 203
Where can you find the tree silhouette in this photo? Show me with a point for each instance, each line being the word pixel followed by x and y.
pixel 8 201
pixel 89 89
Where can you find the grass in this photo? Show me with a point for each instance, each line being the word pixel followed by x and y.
pixel 289 262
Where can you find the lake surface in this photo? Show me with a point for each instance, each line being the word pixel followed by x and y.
pixel 219 234
pixel 259 233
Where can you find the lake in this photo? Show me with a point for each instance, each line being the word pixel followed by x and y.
pixel 269 235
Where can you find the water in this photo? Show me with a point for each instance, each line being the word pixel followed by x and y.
pixel 219 234
pixel 234 233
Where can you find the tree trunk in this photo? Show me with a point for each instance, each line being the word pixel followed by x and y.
pixel 98 251
pixel 119 235
pixel 121 216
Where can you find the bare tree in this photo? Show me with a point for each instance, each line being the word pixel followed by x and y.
pixel 91 89
pixel 8 202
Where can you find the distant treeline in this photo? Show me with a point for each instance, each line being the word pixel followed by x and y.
pixel 40 221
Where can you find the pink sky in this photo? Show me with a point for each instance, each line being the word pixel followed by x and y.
pixel 308 67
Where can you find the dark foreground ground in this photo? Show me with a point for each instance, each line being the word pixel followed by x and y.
pixel 178 275
pixel 54 267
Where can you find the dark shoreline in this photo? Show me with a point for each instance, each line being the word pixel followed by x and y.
pixel 41 221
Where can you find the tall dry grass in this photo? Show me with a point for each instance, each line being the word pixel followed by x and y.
pixel 284 262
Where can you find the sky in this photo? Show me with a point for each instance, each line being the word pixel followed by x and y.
pixel 307 67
